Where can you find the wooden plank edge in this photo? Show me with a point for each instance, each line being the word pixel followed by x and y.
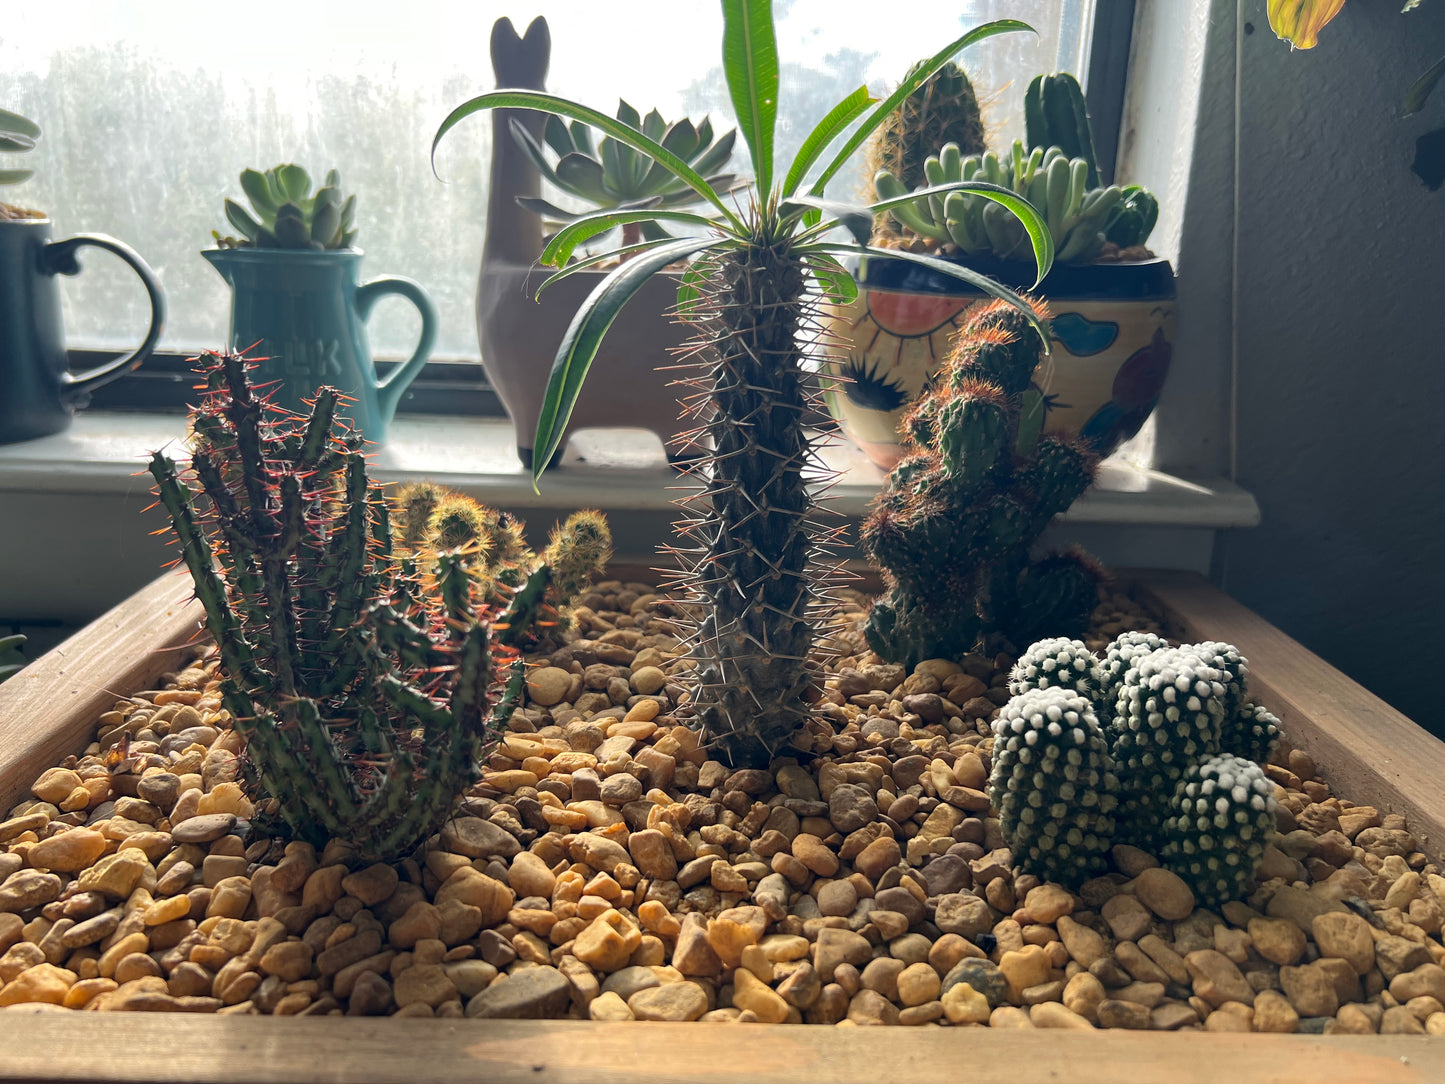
pixel 138 1048
pixel 1370 753
pixel 47 709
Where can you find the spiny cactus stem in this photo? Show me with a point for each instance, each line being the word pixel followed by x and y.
pixel 520 616
pixel 318 430
pixel 323 756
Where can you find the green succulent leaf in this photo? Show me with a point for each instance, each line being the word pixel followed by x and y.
pixel 554 132
pixel 242 222
pixel 12 143
pixel 547 103
pixel 916 78
pixel 750 62
pixel 559 250
pixel 1421 88
pixel 15 176
pixel 585 177
pixel 295 183
pixel 14 124
pixel 253 183
pixel 584 336
pixel 548 210
pixel 826 130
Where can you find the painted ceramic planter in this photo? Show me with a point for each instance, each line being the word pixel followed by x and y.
pixel 1113 329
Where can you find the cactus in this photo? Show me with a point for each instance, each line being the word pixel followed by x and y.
pixel 1057 663
pixel 1220 816
pixel 287 215
pixel 1053 784
pixel 18 135
pixel 1055 115
pixel 1080 218
pixel 1252 733
pixel 953 529
pixel 541 590
pixel 363 692
pixel 610 174
pixel 943 110
pixel 1119 658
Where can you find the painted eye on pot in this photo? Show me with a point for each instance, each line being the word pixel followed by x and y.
pixel 866 387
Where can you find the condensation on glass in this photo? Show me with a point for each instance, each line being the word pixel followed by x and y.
pixel 150 111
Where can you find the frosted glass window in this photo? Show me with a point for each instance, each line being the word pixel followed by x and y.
pixel 151 108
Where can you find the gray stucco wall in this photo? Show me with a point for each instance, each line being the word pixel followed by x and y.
pixel 1324 298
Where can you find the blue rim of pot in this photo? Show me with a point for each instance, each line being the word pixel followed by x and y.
pixel 1142 280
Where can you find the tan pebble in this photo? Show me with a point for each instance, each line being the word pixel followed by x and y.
pixel 43 983
pixel 69 851
pixel 547 685
pixel 1007 1016
pixel 1046 903
pixel 674 1001
pixel 728 938
pixel 1310 990
pixel 1083 994
pixel 962 1004
pixel 1128 919
pixel 1217 979
pixel 471 886
pixel 608 942
pixel 1025 967
pixel 811 851
pixel 1274 1013
pixel 470 977
pixel 288 960
pixel 918 983
pixel 424 983
pixel 1427 980
pixel 1345 936
pixel 115 875
pixel 868 1007
pixel 420 921
pixel 1082 943
pixel 85 991
pixel 167 910
pixel 1164 893
pixel 1400 1021
pixel 1435 1024
pixel 609 1006
pixel 55 785
pixel 693 955
pixel 1118 1013
pixel 1278 940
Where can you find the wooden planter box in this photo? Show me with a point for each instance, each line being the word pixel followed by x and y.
pixel 1368 752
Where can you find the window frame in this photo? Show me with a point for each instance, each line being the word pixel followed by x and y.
pixel 165 383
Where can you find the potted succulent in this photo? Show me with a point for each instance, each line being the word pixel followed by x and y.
pixel 1112 302
pixel 41 394
pixel 519 333
pixel 297 305
pixel 748 290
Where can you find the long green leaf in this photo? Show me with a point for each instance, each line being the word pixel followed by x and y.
pixel 1027 214
pixel 14 122
pixel 1420 89
pixel 15 176
pixel 548 103
pixel 856 218
pixel 946 267
pixel 584 336
pixel 827 130
pixel 915 79
pixel 15 143
pixel 750 62
pixel 590 262
pixel 559 250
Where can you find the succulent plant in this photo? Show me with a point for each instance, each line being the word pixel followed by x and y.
pixel 942 110
pixel 1080 219
pixel 1057 663
pixel 1252 732
pixel 287 214
pixel 1119 658
pixel 612 175
pixel 754 543
pixel 363 691
pixel 17 136
pixel 12 658
pixel 1053 784
pixel 1219 818
pixel 541 590
pixel 953 529
pixel 1055 115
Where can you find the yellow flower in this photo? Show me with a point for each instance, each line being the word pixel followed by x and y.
pixel 1299 22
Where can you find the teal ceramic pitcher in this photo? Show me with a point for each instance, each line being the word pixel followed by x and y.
pixel 304 313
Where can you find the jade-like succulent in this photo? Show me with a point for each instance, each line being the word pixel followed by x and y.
pixel 1080 218
pixel 364 691
pixel 1219 818
pixel 17 136
pixel 540 590
pixel 287 214
pixel 608 174
pixel 953 529
pixel 942 110
pixel 1053 784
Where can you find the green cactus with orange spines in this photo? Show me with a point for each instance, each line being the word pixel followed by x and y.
pixel 363 691
pixel 953 529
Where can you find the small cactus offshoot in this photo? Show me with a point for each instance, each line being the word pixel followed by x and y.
pixel 953 530
pixel 1059 663
pixel 1219 819
pixel 364 691
pixel 285 213
pixel 1055 115
pixel 1053 784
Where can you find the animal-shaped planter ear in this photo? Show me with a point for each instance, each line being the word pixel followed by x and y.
pixel 519 63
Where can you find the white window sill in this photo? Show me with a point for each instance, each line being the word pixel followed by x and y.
pixel 70 503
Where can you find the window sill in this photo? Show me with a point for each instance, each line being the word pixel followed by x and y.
pixel 72 501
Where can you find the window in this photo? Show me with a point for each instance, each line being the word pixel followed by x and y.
pixel 150 111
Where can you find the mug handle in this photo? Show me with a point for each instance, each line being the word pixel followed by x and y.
pixel 389 390
pixel 59 258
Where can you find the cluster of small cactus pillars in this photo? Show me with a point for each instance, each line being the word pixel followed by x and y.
pixel 364 690
pixel 750 570
pixel 976 486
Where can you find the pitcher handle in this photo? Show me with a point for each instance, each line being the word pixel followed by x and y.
pixel 390 390
pixel 59 258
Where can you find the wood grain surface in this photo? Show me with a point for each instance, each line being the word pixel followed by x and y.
pixel 47 710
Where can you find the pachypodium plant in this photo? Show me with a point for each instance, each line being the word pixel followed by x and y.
pixel 954 527
pixel 540 589
pixel 285 213
pixel 364 693
pixel 612 175
pixel 749 288
pixel 1080 218
pixel 1182 750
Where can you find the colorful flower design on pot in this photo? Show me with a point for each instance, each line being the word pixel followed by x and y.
pixel 1113 328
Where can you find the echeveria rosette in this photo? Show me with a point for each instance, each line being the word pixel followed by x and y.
pixel 749 290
